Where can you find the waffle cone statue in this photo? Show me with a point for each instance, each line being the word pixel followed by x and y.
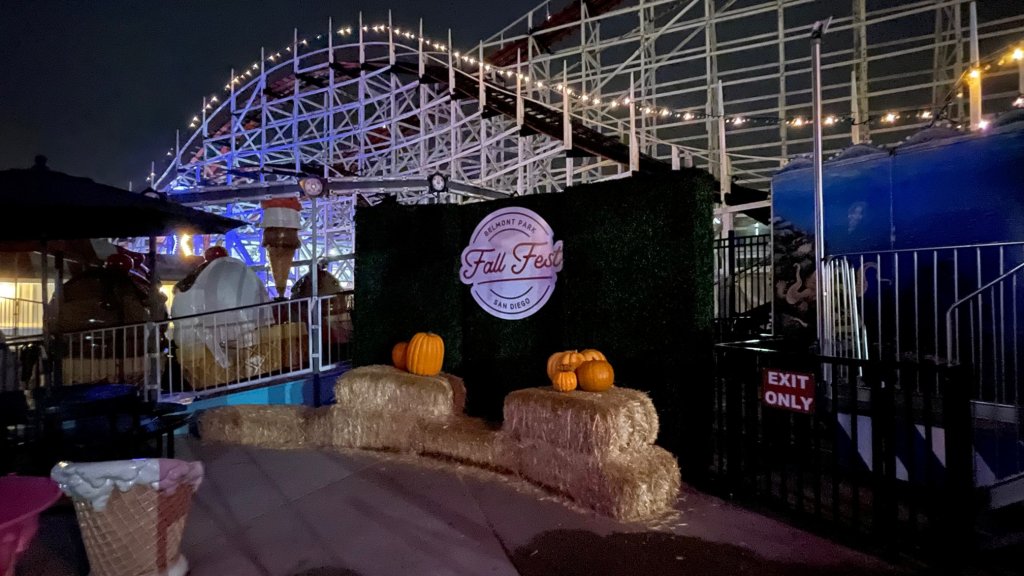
pixel 132 513
pixel 281 225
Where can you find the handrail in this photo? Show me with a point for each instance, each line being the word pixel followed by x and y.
pixel 193 316
pixel 760 263
pixel 925 249
pixel 16 299
pixel 971 296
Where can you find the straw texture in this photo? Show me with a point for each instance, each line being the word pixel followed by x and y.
pixel 382 388
pixel 592 423
pixel 628 487
pixel 595 448
pixel 467 440
pixel 340 427
pixel 138 533
pixel 458 392
pixel 273 426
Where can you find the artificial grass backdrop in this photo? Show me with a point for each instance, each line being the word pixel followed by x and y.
pixel 635 284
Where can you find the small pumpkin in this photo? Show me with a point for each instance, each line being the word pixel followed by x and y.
pixel 591 354
pixel 553 362
pixel 398 355
pixel 570 360
pixel 425 354
pixel 595 376
pixel 564 381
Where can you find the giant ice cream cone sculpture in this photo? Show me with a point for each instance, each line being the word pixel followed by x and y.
pixel 132 513
pixel 281 225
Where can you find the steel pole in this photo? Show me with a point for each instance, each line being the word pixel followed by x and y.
pixel 315 325
pixel 819 204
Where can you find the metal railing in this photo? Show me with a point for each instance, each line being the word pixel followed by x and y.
pixel 983 329
pixel 957 306
pixel 20 317
pixel 22 364
pixel 742 284
pixel 984 332
pixel 872 458
pixel 901 296
pixel 204 354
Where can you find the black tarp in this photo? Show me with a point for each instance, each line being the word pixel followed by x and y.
pixel 40 204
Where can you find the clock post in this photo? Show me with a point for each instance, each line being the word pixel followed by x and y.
pixel 437 183
pixel 312 188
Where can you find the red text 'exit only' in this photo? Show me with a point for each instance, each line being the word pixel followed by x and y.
pixel 788 390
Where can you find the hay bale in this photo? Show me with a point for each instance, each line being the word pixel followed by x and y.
pixel 277 426
pixel 593 423
pixel 387 389
pixel 629 487
pixel 467 440
pixel 340 427
pixel 458 393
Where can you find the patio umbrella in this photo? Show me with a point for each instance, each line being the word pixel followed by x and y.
pixel 45 205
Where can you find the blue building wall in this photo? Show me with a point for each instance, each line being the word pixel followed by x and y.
pixel 943 192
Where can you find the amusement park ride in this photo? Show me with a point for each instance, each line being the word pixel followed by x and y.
pixel 361 113
pixel 563 96
pixel 600 90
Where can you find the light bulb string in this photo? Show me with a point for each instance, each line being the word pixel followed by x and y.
pixel 606 106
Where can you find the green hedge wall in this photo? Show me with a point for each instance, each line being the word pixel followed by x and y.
pixel 636 284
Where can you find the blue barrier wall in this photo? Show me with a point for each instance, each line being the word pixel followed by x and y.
pixel 925 193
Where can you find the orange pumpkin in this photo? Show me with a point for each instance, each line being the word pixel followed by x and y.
pixel 564 381
pixel 595 376
pixel 570 360
pixel 591 354
pixel 553 362
pixel 398 355
pixel 425 354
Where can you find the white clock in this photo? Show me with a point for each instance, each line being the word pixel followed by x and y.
pixel 312 187
pixel 438 183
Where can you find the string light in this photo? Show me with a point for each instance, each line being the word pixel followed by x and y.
pixel 1017 54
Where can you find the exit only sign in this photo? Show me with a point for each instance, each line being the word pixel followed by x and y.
pixel 788 390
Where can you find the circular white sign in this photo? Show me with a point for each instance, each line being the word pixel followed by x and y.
pixel 512 263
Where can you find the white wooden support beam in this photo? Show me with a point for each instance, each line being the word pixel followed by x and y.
pixel 362 43
pixel 519 91
pixel 391 41
pixel 451 65
pixel 481 82
pixel 634 146
pixel 330 39
pixel 566 116
pixel 422 56
pixel 974 76
pixel 854 109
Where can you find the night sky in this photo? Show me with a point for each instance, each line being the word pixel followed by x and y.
pixel 100 86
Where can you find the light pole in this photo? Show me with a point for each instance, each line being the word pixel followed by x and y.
pixel 819 29
pixel 313 188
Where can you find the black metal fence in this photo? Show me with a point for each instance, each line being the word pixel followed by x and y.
pixel 743 297
pixel 878 458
